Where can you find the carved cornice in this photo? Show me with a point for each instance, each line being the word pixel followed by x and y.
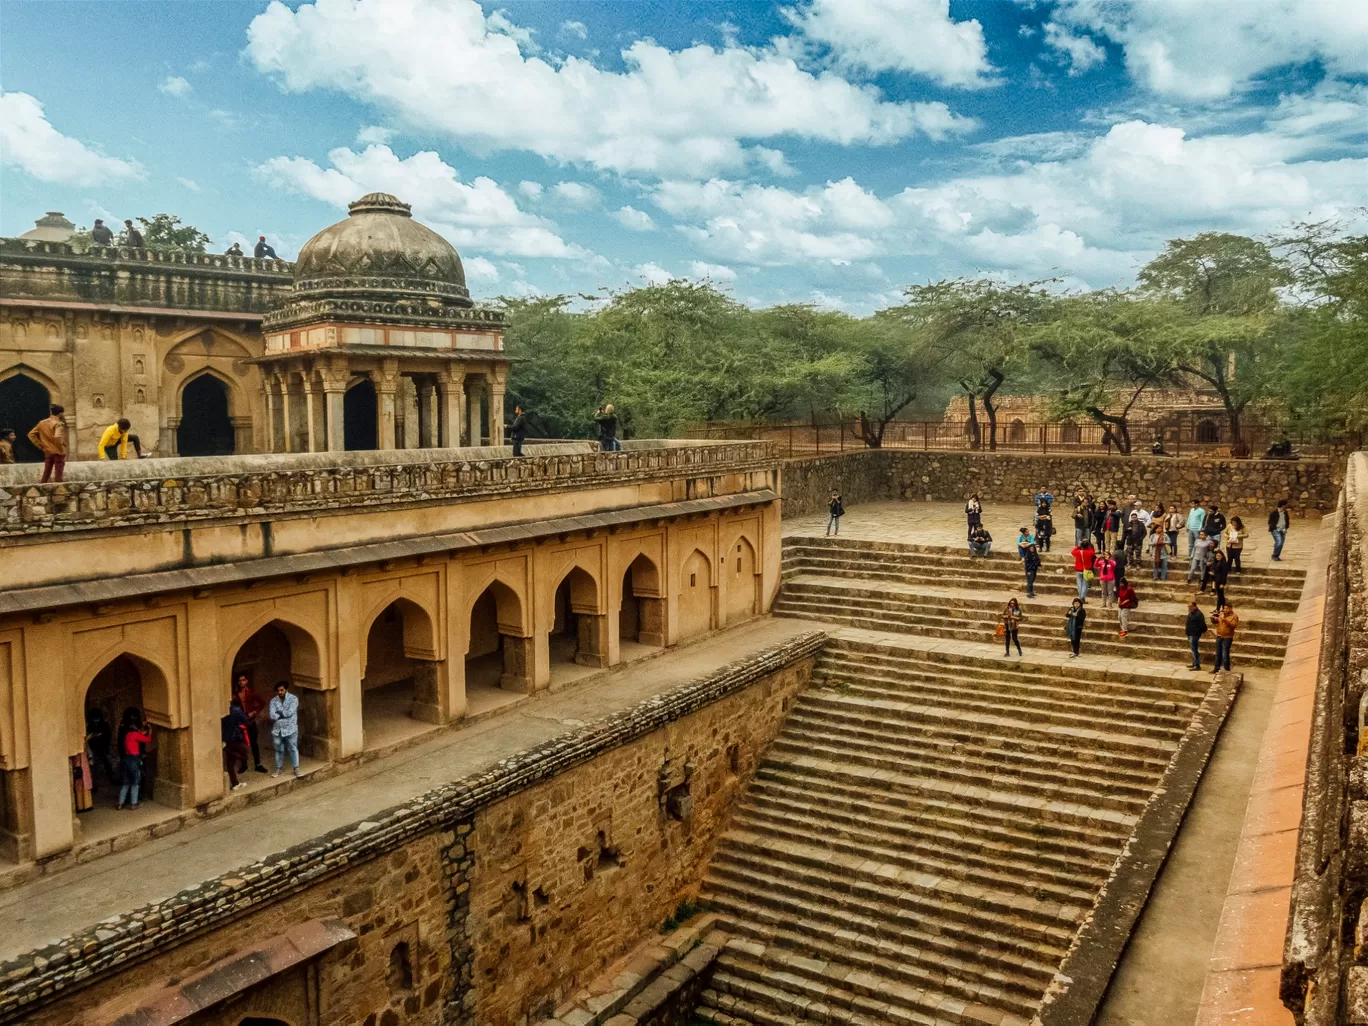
pixel 300 312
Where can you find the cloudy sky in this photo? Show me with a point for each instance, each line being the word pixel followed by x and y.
pixel 826 151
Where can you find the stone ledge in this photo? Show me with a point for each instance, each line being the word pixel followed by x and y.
pixel 116 943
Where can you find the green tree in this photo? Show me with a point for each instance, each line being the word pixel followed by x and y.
pixel 166 232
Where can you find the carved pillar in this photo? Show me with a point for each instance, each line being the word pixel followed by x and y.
pixel 450 391
pixel 424 412
pixel 496 413
pixel 286 422
pixel 477 385
pixel 268 387
pixel 386 384
pixel 334 378
pixel 309 392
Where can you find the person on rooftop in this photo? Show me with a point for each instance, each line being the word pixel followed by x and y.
pixel 263 249
pixel 100 234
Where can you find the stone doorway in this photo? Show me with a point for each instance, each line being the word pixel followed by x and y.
pixel 641 616
pixel 206 425
pixel 23 403
pixel 577 639
pixel 282 651
pixel 740 581
pixel 360 417
pixel 695 596
pixel 399 686
pixel 498 658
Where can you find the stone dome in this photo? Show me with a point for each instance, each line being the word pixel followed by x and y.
pixel 380 252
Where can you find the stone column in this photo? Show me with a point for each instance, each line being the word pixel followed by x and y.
pixel 268 387
pixel 450 390
pixel 309 392
pixel 496 413
pixel 424 412
pixel 477 385
pixel 286 424
pixel 386 384
pixel 334 379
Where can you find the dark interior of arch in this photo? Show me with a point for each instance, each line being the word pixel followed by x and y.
pixel 358 417
pixel 205 427
pixel 23 403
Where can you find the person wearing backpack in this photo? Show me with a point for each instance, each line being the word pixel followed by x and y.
pixel 1196 627
pixel 233 730
pixel 1126 600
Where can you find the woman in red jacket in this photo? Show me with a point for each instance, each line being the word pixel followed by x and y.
pixel 1126 600
pixel 1084 557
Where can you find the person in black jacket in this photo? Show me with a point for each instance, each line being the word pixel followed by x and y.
pixel 837 510
pixel 1073 626
pixel 132 237
pixel 1031 562
pixel 1099 526
pixel 1220 574
pixel 1135 538
pixel 1196 627
pixel 101 235
pixel 608 426
pixel 1215 523
pixel 1278 523
pixel 517 430
pixel 233 730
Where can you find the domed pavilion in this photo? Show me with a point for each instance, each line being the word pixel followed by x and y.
pixel 379 328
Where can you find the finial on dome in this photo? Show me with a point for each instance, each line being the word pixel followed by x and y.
pixel 380 203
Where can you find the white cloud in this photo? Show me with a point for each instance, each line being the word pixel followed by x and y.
pixel 373 134
pixel 717 272
pixel 30 143
pixel 1206 51
pixel 480 269
pixel 575 28
pixel 916 36
pixel 1077 52
pixel 653 273
pixel 443 66
pixel 532 190
pixel 575 195
pixel 188 183
pixel 633 220
pixel 476 215
pixel 499 22
pixel 174 85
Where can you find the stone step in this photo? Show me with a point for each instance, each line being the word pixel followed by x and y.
pixel 868 821
pixel 885 697
pixel 1100 842
pixel 1040 764
pixel 765 1005
pixel 1001 778
pixel 1095 641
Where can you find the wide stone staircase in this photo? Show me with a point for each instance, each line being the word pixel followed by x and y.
pixel 933 827
pixel 927 834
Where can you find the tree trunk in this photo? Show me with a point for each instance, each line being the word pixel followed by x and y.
pixel 975 437
pixel 1114 429
pixel 872 439
pixel 991 410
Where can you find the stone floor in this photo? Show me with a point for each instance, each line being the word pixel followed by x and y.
pixel 54 906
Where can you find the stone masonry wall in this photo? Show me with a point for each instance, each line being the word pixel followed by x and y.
pixel 1247 487
pixel 655 779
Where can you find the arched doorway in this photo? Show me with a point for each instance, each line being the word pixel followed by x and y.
pixel 23 403
pixel 739 571
pixel 1016 431
pixel 119 696
pixel 206 428
pixel 497 656
pixel 359 412
pixel 399 689
pixel 576 634
pixel 695 596
pixel 641 617
pixel 281 651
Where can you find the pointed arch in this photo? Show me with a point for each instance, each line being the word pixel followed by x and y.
pixel 510 612
pixel 306 651
pixel 695 602
pixel 586 590
pixel 29 371
pixel 419 627
pixel 740 566
pixel 153 698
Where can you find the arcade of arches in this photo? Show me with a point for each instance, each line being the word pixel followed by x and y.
pixel 375 656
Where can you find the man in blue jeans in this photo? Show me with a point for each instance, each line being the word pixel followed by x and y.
pixel 284 713
pixel 1278 522
pixel 1196 520
pixel 1196 627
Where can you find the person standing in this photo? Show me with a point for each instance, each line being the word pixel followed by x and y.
pixel 234 250
pixel 284 713
pixel 1113 527
pixel 1073 625
pixel 50 438
pixel 1174 523
pixel 1220 573
pixel 263 249
pixel 1278 523
pixel 1135 537
pixel 6 445
pixel 1196 520
pixel 835 510
pixel 973 513
pixel 1011 625
pixel 1099 524
pixel 1126 600
pixel 608 427
pixel 1031 563
pixel 1214 523
pixel 233 729
pixel 1195 628
pixel 1234 543
pixel 1201 548
pixel 252 707
pixel 1044 497
pixel 1225 621
pixel 1044 528
pixel 1085 556
pixel 1082 520
pixel 1159 551
pixel 517 430
pixel 133 736
pixel 132 237
pixel 1105 568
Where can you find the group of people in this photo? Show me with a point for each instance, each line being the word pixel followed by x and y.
pixel 262 249
pixel 49 436
pixel 131 745
pixel 102 235
pixel 241 735
pixel 604 417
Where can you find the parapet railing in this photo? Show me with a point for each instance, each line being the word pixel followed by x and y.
pixel 175 258
pixel 148 492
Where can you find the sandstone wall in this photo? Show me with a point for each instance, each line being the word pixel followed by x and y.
pixel 1247 487
pixel 439 873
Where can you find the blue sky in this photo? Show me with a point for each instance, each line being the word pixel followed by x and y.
pixel 823 151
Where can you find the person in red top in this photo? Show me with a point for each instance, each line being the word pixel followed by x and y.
pixel 1126 600
pixel 252 707
pixel 1084 557
pixel 132 737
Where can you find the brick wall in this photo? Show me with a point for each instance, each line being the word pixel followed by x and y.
pixel 1247 487
pixel 656 779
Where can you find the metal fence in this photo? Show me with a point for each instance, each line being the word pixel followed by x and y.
pixel 1180 434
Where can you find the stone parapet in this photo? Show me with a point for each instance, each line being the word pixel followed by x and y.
pixel 118 942
pixel 205 489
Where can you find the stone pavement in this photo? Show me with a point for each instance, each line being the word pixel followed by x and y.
pixel 55 906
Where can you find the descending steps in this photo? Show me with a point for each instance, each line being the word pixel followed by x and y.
pixel 934 823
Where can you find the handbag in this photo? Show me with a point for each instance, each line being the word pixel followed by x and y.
pixel 1000 630
pixel 1088 575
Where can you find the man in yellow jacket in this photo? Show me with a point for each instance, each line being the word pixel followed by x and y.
pixel 115 440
